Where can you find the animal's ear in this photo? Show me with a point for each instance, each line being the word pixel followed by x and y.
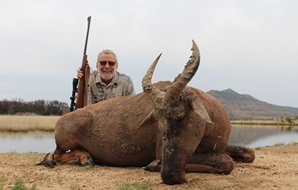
pixel 149 119
pixel 200 110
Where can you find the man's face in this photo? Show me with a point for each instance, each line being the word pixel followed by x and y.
pixel 106 66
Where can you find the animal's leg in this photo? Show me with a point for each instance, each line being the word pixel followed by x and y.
pixel 241 154
pixel 204 163
pixel 219 163
pixel 48 161
pixel 155 165
pixel 77 157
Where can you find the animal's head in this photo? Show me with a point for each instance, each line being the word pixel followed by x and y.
pixel 181 116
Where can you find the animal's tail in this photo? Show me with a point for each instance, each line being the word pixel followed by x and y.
pixel 240 153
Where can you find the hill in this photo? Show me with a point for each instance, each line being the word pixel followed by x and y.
pixel 243 106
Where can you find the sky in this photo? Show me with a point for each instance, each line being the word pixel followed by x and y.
pixel 248 46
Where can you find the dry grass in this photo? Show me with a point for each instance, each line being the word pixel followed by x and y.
pixel 27 123
pixel 275 168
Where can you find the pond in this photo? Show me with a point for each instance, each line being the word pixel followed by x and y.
pixel 27 142
pixel 251 136
pixel 260 136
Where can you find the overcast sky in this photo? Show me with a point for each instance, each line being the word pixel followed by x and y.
pixel 248 46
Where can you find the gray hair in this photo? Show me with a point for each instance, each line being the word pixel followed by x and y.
pixel 108 51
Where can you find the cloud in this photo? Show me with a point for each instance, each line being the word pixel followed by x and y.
pixel 249 46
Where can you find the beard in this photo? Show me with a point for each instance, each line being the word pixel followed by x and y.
pixel 107 74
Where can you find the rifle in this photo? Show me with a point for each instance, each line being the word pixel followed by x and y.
pixel 82 89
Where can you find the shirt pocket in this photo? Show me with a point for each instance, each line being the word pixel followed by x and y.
pixel 98 97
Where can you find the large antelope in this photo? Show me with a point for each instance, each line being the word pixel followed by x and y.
pixel 169 127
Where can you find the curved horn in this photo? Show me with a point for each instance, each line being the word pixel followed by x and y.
pixel 146 82
pixel 182 79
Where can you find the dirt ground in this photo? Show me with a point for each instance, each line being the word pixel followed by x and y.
pixel 274 168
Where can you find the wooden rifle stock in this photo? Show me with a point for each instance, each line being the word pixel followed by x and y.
pixel 82 96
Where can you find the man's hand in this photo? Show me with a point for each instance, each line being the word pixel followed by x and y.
pixel 79 73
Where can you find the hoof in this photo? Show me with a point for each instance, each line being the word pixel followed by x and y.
pixel 241 154
pixel 50 164
pixel 87 162
pixel 153 166
pixel 47 161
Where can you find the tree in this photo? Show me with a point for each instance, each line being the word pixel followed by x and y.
pixel 40 107
pixel 289 120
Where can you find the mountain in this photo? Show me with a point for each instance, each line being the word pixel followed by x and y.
pixel 243 106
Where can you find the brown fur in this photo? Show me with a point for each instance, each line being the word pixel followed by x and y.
pixel 121 132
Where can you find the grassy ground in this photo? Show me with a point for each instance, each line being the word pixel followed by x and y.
pixel 15 123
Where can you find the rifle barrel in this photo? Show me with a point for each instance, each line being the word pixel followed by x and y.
pixel 89 20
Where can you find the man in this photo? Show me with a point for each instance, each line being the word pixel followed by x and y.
pixel 106 82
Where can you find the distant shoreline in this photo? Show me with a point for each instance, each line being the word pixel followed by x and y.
pixel 28 123
pixel 263 122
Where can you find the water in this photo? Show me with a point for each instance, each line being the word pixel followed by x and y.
pixel 251 136
pixel 260 136
pixel 27 142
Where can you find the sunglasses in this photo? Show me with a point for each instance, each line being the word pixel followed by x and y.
pixel 111 63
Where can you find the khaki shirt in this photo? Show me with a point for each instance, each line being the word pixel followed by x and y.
pixel 121 85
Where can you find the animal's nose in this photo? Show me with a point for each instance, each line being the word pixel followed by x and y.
pixel 172 178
